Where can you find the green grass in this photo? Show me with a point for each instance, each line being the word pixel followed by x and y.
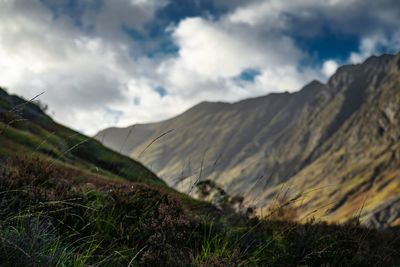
pixel 22 134
pixel 80 222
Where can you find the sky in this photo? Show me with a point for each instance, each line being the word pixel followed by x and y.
pixel 103 63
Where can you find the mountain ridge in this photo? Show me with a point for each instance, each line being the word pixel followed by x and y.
pixel 279 138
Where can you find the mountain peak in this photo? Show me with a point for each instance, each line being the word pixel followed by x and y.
pixel 373 66
pixel 379 60
pixel 313 86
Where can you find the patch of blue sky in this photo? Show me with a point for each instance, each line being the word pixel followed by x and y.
pixel 248 75
pixel 161 91
pixel 326 43
pixel 154 39
pixel 177 10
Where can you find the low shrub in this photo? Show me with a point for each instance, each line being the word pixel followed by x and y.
pixel 55 215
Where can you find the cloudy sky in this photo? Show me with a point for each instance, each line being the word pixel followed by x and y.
pixel 117 62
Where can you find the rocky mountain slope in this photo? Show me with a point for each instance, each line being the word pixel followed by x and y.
pixel 332 150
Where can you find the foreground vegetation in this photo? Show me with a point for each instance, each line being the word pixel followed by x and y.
pixel 51 217
pixel 65 200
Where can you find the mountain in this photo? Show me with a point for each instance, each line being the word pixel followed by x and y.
pixel 333 149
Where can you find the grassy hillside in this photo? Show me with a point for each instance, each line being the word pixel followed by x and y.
pixel 26 130
pixel 65 200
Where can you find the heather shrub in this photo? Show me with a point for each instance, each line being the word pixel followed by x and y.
pixel 32 242
pixel 57 215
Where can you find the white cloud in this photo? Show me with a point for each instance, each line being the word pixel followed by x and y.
pixel 259 13
pixel 83 76
pixel 329 68
pixel 373 44
pixel 213 53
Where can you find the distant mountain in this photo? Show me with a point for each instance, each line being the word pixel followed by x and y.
pixel 333 149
